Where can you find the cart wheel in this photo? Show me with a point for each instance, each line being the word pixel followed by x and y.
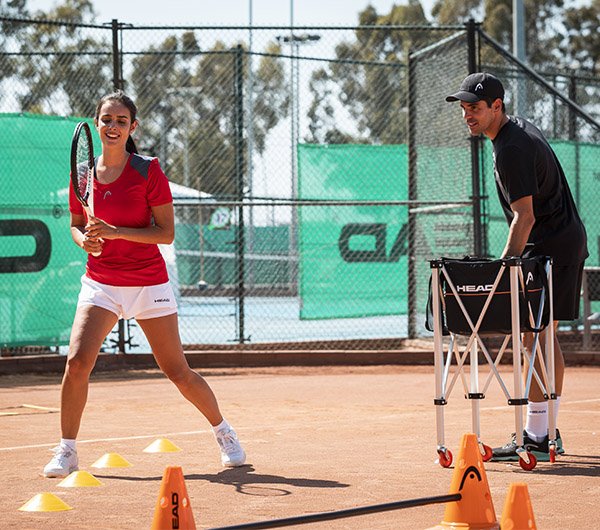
pixel 445 458
pixel 528 466
pixel 487 453
pixel 553 455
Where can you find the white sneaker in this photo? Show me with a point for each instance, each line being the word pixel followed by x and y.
pixel 63 463
pixel 232 454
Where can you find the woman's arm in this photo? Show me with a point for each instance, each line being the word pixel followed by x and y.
pixel 161 232
pixel 81 238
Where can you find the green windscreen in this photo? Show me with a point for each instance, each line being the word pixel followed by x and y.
pixel 40 266
pixel 352 259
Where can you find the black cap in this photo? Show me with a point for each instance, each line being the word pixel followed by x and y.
pixel 477 86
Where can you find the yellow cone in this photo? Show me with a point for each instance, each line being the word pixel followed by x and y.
pixel 79 479
pixel 45 502
pixel 162 445
pixel 111 460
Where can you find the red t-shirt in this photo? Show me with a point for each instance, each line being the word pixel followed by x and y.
pixel 127 202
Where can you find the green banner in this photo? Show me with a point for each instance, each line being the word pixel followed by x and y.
pixel 40 266
pixel 352 259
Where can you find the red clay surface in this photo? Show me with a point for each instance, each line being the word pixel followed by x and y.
pixel 317 439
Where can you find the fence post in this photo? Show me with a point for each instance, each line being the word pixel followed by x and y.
pixel 412 195
pixel 478 249
pixel 118 85
pixel 117 66
pixel 573 136
pixel 238 90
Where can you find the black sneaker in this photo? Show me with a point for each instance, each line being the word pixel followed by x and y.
pixel 559 445
pixel 508 452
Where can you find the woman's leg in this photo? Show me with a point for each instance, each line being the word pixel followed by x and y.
pixel 163 335
pixel 90 327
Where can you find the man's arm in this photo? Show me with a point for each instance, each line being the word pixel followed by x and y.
pixel 520 227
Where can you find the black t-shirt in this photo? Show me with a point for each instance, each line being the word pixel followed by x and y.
pixel 525 164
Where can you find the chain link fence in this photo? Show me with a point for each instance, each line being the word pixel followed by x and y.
pixel 566 108
pixel 314 172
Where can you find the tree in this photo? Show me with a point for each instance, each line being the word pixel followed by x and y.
pixel 360 96
pixel 581 45
pixel 188 96
pixel 9 33
pixel 66 68
pixel 367 81
pixel 555 36
pixel 185 95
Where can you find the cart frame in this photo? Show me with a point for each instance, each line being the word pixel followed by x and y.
pixel 473 391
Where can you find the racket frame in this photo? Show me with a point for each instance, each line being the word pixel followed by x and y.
pixel 86 201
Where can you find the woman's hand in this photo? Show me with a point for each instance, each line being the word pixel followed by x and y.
pixel 92 245
pixel 98 230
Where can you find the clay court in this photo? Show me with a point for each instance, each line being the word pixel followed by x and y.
pixel 317 438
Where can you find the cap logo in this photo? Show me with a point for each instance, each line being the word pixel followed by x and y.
pixel 478 86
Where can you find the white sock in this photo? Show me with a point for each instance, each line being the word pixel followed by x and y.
pixel 67 442
pixel 537 420
pixel 223 425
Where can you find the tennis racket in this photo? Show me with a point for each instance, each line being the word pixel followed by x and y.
pixel 82 168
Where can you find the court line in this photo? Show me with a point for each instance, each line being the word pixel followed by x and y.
pixel 116 439
pixel 39 407
pixel 568 402
pixel 17 412
pixel 187 433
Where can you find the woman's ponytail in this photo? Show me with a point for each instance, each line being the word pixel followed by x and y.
pixel 130 145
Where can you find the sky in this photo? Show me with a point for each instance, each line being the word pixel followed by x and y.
pixel 233 12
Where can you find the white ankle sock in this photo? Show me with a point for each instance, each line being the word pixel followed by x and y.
pixel 67 442
pixel 221 426
pixel 537 420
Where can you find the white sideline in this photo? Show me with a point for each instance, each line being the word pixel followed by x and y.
pixel 94 440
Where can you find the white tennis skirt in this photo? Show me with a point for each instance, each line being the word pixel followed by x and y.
pixel 150 301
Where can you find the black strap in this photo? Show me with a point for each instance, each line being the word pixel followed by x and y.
pixel 540 270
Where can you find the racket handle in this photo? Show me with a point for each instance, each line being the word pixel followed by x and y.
pixel 90 213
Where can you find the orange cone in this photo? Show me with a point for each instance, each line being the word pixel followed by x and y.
pixel 518 512
pixel 173 508
pixel 475 510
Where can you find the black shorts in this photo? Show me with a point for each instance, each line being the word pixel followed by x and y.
pixel 566 286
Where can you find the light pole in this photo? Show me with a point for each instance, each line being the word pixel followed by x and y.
pixel 519 51
pixel 295 41
pixel 250 129
pixel 187 179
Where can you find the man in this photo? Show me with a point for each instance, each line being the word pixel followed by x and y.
pixel 543 221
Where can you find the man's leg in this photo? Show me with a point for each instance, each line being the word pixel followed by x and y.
pixel 537 409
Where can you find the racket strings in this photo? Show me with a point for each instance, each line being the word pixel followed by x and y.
pixel 84 172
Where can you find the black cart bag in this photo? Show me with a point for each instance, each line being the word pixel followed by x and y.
pixel 471 280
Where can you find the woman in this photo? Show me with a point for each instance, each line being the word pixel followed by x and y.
pixel 133 210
